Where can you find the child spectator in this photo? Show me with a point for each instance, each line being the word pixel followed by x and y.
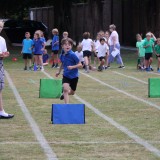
pixel 70 63
pixel 39 47
pixel 103 50
pixel 87 47
pixel 157 52
pixel 79 54
pixel 55 48
pixel 148 45
pixel 96 44
pixel 27 51
pixel 107 34
pixel 3 54
pixel 140 52
pixel 42 35
pixel 65 34
pixel 45 57
pixel 101 34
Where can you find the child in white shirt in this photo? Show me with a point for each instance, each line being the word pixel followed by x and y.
pixel 79 54
pixel 87 48
pixel 103 50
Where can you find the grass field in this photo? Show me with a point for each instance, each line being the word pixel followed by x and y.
pixel 122 123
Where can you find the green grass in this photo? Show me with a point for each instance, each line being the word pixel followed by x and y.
pixel 76 141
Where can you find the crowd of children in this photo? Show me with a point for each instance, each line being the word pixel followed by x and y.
pixel 105 49
pixel 85 50
pixel 145 49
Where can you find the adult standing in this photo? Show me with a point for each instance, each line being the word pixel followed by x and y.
pixel 114 47
pixel 3 54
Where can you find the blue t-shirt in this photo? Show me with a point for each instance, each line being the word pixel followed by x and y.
pixel 45 58
pixel 69 59
pixel 27 44
pixel 55 46
pixel 43 39
pixel 38 45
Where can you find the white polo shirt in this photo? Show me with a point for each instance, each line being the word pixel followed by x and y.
pixel 102 50
pixel 87 44
pixel 3 47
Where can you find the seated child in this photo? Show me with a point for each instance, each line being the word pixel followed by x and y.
pixel 79 54
pixel 103 50
pixel 45 57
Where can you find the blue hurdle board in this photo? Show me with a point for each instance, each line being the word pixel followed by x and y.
pixel 68 114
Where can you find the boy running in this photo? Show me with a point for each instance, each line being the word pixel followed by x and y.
pixel 70 64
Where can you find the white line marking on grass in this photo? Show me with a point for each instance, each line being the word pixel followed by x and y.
pixel 130 77
pixel 117 125
pixel 48 75
pixel 72 142
pixel 34 126
pixel 123 92
pixel 154 73
pixel 121 128
pixel 78 142
pixel 32 81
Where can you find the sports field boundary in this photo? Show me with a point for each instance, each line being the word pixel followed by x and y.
pixel 34 126
pixel 123 129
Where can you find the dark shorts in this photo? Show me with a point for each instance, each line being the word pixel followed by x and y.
pixel 148 56
pixel 158 56
pixel 87 53
pixel 55 51
pixel 27 56
pixel 101 58
pixel 72 82
pixel 37 54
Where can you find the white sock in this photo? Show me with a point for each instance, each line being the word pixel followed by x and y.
pixel 3 113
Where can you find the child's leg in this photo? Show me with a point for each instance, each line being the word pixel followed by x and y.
pixel 29 62
pixel 95 61
pixel 52 58
pixel 106 58
pixel 25 62
pixel 102 62
pixel 57 60
pixel 36 59
pixel 86 61
pixel 66 91
pixel 147 63
pixel 40 62
pixel 150 61
pixel 158 62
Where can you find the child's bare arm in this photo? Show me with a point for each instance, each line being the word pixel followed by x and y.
pixel 153 36
pixel 79 65
pixel 60 69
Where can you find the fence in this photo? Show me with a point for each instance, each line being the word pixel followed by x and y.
pixel 44 14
